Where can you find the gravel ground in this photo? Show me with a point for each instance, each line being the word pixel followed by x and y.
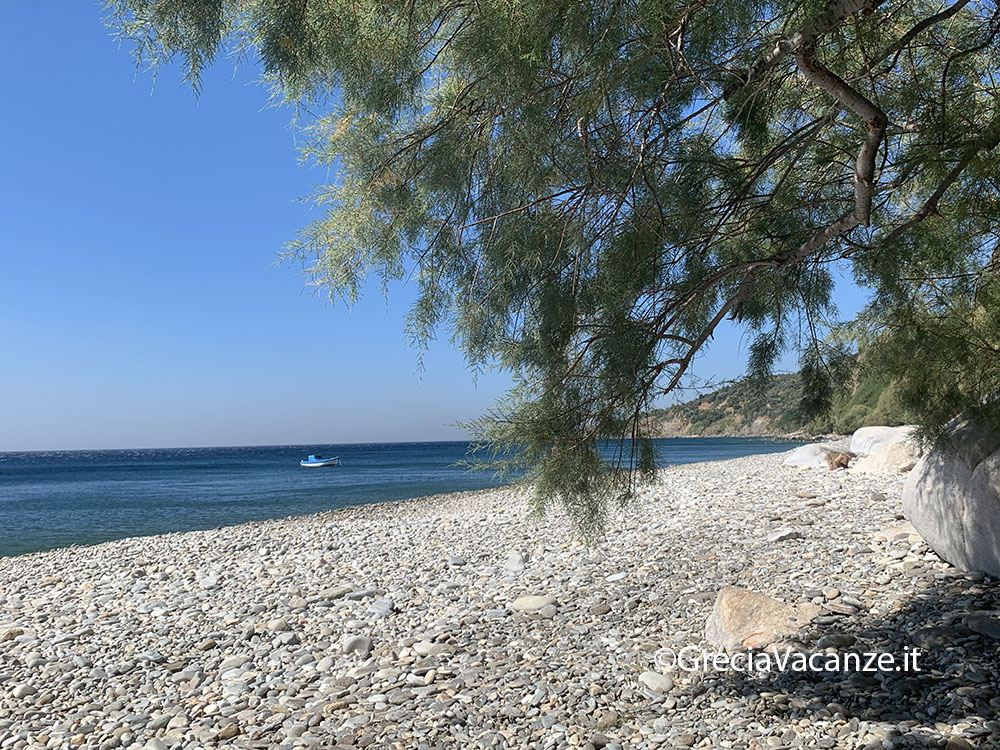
pixel 459 621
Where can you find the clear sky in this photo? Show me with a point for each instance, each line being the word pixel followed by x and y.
pixel 140 300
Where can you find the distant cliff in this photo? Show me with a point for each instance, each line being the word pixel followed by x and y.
pixel 741 410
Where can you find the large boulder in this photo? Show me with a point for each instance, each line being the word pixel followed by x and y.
pixel 868 440
pixel 743 619
pixel 811 456
pixel 885 449
pixel 897 457
pixel 952 498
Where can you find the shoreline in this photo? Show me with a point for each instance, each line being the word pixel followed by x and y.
pixel 403 624
pixel 168 492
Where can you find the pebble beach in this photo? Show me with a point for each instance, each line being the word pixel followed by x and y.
pixel 460 621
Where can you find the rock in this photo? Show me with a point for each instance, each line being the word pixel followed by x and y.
pixel 336 592
pixel 744 619
pixel 837 708
pixel 935 637
pixel 532 603
pixel 897 457
pixel 897 532
pixel 876 497
pixel 158 723
pixel 811 456
pixel 24 691
pixel 429 648
pixel 455 562
pixel 357 644
pixel 180 720
pixel 952 498
pixel 836 461
pixel 358 594
pixel 382 607
pixel 958 743
pixel 835 640
pixel 207 645
pixel 599 609
pixel 868 440
pixel 841 607
pixel 685 740
pixel 232 662
pixel 10 634
pixel 784 535
pixel 515 561
pixel 547 612
pixel 228 732
pixel 278 625
pixel 983 624
pixel 806 495
pixel 661 683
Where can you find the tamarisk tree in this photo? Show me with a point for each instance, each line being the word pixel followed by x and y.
pixel 585 190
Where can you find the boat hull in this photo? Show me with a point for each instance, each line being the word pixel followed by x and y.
pixel 320 463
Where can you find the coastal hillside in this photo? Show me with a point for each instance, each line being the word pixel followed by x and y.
pixel 740 409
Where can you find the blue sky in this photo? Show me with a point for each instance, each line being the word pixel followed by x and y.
pixel 140 300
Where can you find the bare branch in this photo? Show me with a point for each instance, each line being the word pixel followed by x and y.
pixel 830 18
pixel 875 124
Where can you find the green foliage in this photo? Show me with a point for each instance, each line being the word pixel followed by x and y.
pixel 946 348
pixel 585 190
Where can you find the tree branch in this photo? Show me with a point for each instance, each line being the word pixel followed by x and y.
pixel 875 124
pixel 901 44
pixel 831 17
pixel 987 141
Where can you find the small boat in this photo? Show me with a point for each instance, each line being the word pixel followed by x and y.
pixel 314 461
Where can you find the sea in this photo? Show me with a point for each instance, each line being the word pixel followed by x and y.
pixel 63 498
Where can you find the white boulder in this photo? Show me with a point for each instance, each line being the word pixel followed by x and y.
pixel 897 457
pixel 952 498
pixel 868 440
pixel 885 449
pixel 812 456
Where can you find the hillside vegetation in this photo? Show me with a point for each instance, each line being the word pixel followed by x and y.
pixel 740 409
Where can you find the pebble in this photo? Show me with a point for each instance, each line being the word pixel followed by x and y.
pixel 656 681
pixel 23 691
pixel 983 624
pixel 836 640
pixel 357 643
pixel 784 535
pixel 228 732
pixel 532 603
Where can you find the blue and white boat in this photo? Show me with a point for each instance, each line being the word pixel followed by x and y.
pixel 315 461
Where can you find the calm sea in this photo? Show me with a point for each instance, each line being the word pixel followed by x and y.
pixel 59 498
